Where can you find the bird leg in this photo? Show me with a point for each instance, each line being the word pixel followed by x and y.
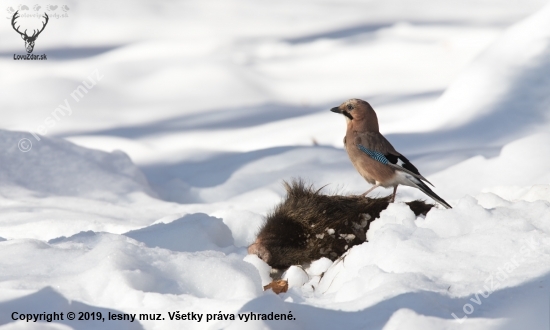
pixel 368 191
pixel 393 195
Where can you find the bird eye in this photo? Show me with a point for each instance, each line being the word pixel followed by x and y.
pixel 350 107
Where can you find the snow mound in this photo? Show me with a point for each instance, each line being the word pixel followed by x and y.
pixel 193 232
pixel 117 270
pixel 511 174
pixel 51 188
pixel 57 167
pixel 431 253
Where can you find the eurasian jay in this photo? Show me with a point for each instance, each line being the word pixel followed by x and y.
pixel 373 156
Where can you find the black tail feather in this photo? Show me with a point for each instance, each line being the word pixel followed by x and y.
pixel 425 189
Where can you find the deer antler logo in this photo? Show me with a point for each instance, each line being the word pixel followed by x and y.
pixel 29 40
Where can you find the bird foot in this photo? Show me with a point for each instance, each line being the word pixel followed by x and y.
pixel 392 199
pixel 368 191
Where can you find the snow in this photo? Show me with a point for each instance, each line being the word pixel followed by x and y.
pixel 194 232
pixel 141 195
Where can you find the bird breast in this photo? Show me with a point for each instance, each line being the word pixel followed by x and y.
pixel 371 170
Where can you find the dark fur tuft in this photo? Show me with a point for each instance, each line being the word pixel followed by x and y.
pixel 309 225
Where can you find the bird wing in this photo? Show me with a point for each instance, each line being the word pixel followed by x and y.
pixel 395 160
pixel 415 182
pixel 401 163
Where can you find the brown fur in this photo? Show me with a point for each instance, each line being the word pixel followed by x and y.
pixel 297 231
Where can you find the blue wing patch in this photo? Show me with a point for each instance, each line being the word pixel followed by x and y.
pixel 374 155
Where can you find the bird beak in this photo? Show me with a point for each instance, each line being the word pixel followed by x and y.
pixel 336 109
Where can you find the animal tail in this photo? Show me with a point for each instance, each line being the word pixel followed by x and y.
pixel 425 189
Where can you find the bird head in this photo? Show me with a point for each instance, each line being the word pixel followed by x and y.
pixel 359 114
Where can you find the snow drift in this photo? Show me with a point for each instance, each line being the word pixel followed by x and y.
pixel 83 230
